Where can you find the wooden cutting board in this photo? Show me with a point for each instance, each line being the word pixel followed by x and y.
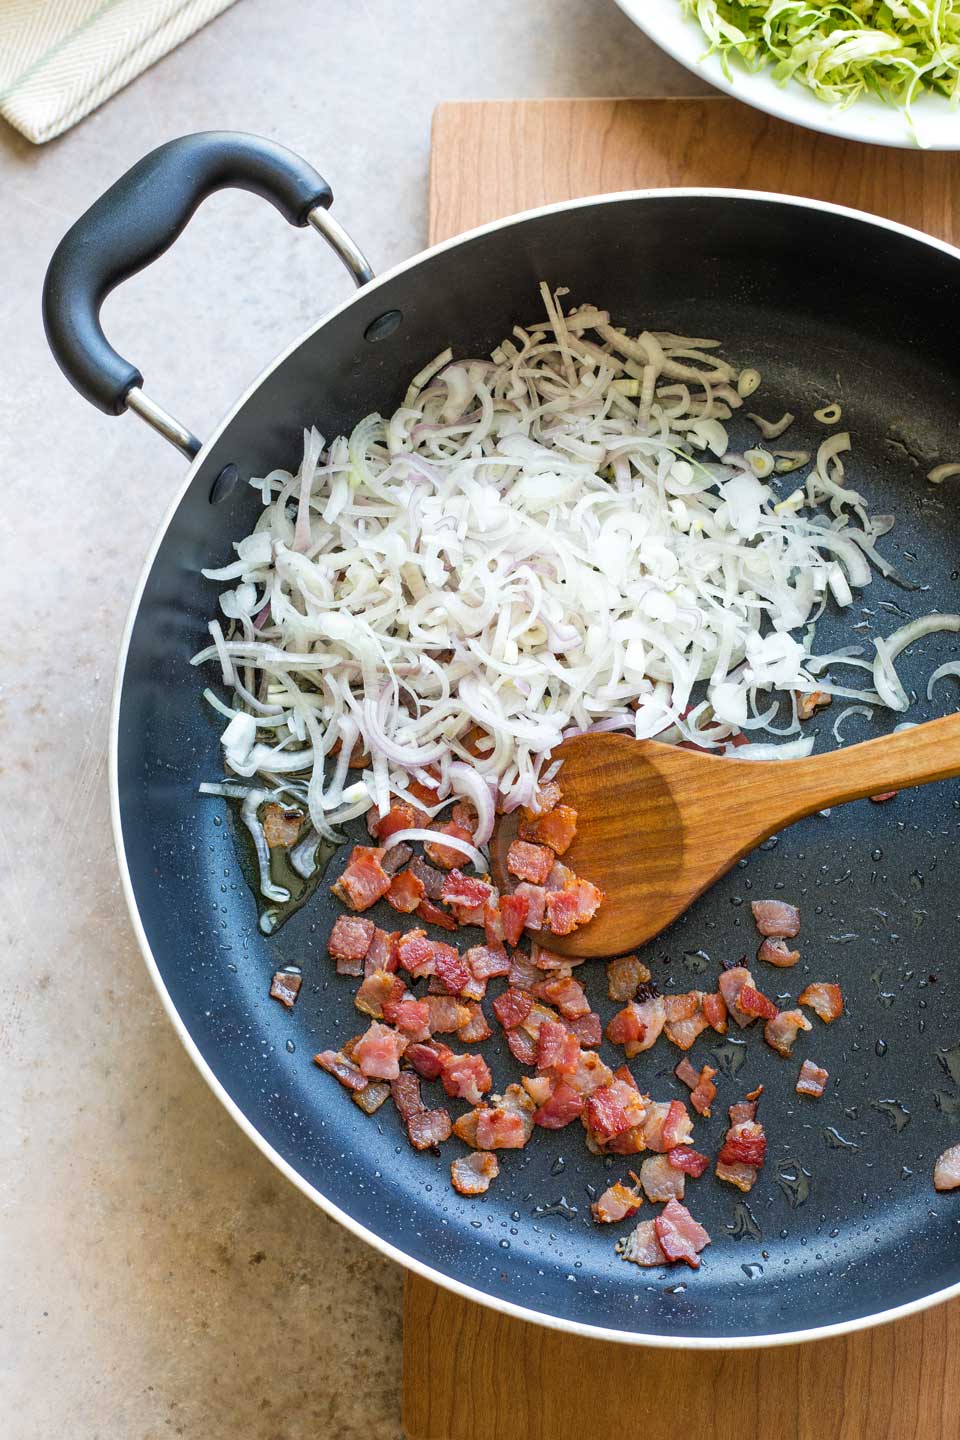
pixel 470 1373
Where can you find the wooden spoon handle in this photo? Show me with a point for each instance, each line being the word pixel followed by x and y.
pixel 794 788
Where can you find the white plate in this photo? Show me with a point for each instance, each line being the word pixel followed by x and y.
pixel 936 124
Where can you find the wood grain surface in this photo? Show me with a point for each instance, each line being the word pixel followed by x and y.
pixel 473 1374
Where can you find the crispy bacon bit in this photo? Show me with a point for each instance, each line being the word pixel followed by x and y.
pixel 463 890
pixel 810 701
pixel 446 856
pixel 637 1026
pixel 745 1145
pixel 591 1073
pixel 560 875
pixel 523 973
pixel 401 816
pixel 587 1028
pixel 512 1007
pixel 411 1017
pixel 545 959
pixel 624 976
pixel 428 1060
pixel 522 1047
pixel 566 994
pixel 557 1049
pixel 447 1013
pixel 752 1003
pixel 448 965
pixel 493 922
pixel 776 951
pixel 683 1030
pixel 776 917
pixel 619 1202
pixel 660 1179
pixel 281 825
pixel 472 1174
pixel 536 898
pixel 529 862
pixel 504 1124
pixel 715 1010
pixel 681 1007
pixel 642 1247
pixel 666 1124
pixel 781 1031
pixel 349 942
pixel 378 1052
pixel 344 1070
pixel 680 1236
pixel 686 1074
pixel 573 906
pixel 396 857
pixel 704 1092
pixel 745 1109
pixel 379 989
pixel 429 1128
pixel 812 1079
pixel 426 794
pixel 682 1157
pixel 483 961
pixel 372 1096
pixel 384 951
pixel 563 1105
pixel 731 983
pixel 556 828
pixel 612 1109
pixel 946 1172
pixel 475 1028
pixel 466 1077
pixel 464 813
pixel 754 1095
pixel 626 1027
pixel 416 953
pixel 430 878
pixel 539 1087
pixel 405 892
pixel 744 1177
pixel 885 795
pixel 825 1000
pixel 513 916
pixel 364 881
pixel 434 915
pixel 285 988
pixel 546 797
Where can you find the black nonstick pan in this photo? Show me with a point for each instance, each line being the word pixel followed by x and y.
pixel 844 1228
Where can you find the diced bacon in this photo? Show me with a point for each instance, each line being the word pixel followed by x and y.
pixel 483 961
pixel 587 1028
pixel 401 816
pixel 449 966
pixel 810 701
pixel 447 1013
pixel 475 1028
pixel 536 1016
pixel 591 1073
pixel 884 795
pixel 825 1000
pixel 429 1128
pixel 405 892
pixel 431 879
pixel 349 942
pixel 364 881
pixel 472 1174
pixel 559 876
pixel 681 1007
pixel 753 1095
pixel 523 974
pixel 946 1172
pixel 557 1049
pixel 781 1031
pixel 529 862
pixel 427 794
pixel 548 795
pixel 411 1018
pixel 285 987
pixel 435 915
pixel 619 1202
pixel 558 965
pixel 427 1060
pixel 680 1236
pixel 642 1247
pixel 379 989
pixel 372 1096
pixel 466 1077
pixel 752 1003
pixel 337 1064
pixel 563 1105
pixel 775 951
pixel 464 813
pixel 522 1047
pixel 626 1026
pixel 460 889
pixel 715 1010
pixel 416 953
pixel 744 1109
pixel 731 982
pixel 474 989
pixel 614 1108
pixel 685 1019
pixel 512 1007
pixel 281 825
pixel 536 898
pixel 384 951
pixel 704 1092
pixel 378 1052
pixel 493 930
pixel 539 1087
pixel 507 1123
pixel 745 1144
pixel 513 910
pixel 660 1179
pixel 744 1177
pixel 639 1024
pixel 447 856
pixel 666 1124
pixel 396 857
pixel 573 906
pixel 776 917
pixel 556 828
pixel 682 1157
pixel 812 1079
pixel 470 915
pixel 685 1073
pixel 624 975
pixel 566 994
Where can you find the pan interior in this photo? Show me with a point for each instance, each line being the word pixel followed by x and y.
pixel 844 1222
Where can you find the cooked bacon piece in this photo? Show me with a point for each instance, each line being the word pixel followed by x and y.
pixel 642 1247
pixel 548 795
pixel 529 862
pixel 426 794
pixel 557 1049
pixel 545 959
pixel 372 1096
pixel 660 1179
pixel 885 795
pixel 812 1079
pixel 364 881
pixel 560 875
pixel 715 1010
pixel 384 952
pixel 754 1095
pixel 612 1109
pixel 566 994
pixel 431 879
pixel 682 1157
pixel 447 856
pixel 513 912
pixel 349 942
pixel 776 917
pixel 435 915
pixel 475 1028
pixel 472 1174
pixel 447 1013
pixel 539 1087
pixel 685 1018
pixel 483 961
pixel 536 899
pixel 504 1124
pixel 686 1074
pixel 946 1172
pixel 573 906
pixel 512 1007
pixel 556 828
pixel 591 1073
pixel 617 1203
pixel 463 890
pixel 731 983
pixel 681 1007
pixel 396 857
pixel 637 1026
pixel 752 1003
pixel 449 966
pixel 464 813
pixel 745 1109
pixel 466 1077
pixel 563 1105
pixel 624 975
pixel 825 1000
pixel 378 1052
pixel 281 825
pixel 405 893
pixel 704 1092
pixel 416 953
pixel 810 701
pixel 776 951
pixel 379 989
pixel 667 1124
pixel 493 931
pixel 429 1128
pixel 745 1145
pixel 285 988
pixel 337 1064
pixel 781 1031
pixel 401 816
pixel 587 1028
pixel 428 1060
pixel 744 1177
pixel 626 1027
pixel 522 1047
pixel 523 974
pixel 411 1017
pixel 680 1236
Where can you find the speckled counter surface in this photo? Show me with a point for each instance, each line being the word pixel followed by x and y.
pixel 157 1276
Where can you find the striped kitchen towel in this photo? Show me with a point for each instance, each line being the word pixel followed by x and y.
pixel 60 59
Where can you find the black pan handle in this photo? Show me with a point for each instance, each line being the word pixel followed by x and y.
pixel 139 218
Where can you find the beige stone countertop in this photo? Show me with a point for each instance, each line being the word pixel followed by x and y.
pixel 159 1278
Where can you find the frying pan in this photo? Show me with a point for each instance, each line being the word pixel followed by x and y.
pixel 844 1228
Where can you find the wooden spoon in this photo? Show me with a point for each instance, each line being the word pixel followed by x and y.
pixel 657 825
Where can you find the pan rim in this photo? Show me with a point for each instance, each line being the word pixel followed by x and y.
pixel 448 1282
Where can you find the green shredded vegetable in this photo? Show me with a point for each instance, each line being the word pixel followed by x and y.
pixel 895 49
